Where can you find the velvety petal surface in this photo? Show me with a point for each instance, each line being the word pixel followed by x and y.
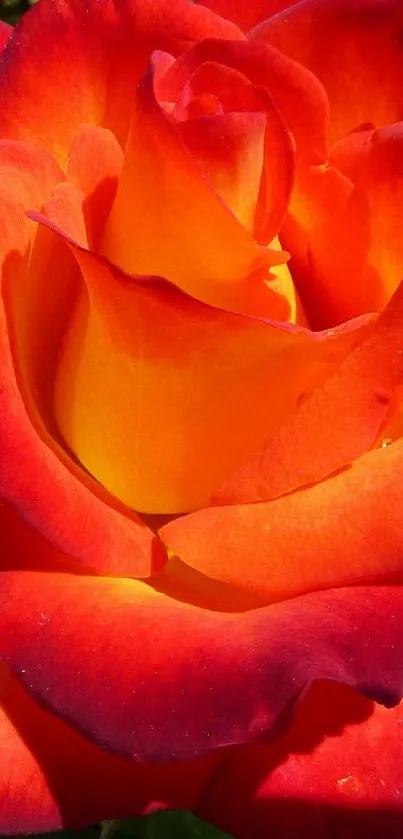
pixel 354 406
pixel 345 530
pixel 202 679
pixel 338 767
pixel 93 53
pixel 336 773
pixel 5 32
pixel 146 346
pixel 245 14
pixel 354 48
pixel 52 778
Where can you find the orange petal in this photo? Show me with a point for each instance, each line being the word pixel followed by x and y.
pixel 149 348
pixel 345 43
pixel 196 242
pixel 328 233
pixel 345 530
pixel 335 424
pixel 374 162
pixel 81 205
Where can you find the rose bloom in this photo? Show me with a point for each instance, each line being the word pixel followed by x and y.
pixel 201 370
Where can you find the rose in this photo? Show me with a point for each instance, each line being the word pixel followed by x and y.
pixel 153 340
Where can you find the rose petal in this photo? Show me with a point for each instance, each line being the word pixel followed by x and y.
pixel 43 482
pixel 246 14
pixel 92 75
pixel 5 32
pixel 345 43
pixel 333 425
pixel 375 164
pixel 201 679
pixel 81 205
pixel 53 778
pixel 345 530
pixel 298 95
pixel 196 243
pixel 337 772
pixel 328 233
pixel 145 345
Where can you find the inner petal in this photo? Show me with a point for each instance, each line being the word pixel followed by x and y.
pixel 160 397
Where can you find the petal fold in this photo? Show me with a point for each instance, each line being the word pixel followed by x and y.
pixel 202 679
pixel 353 407
pixel 345 530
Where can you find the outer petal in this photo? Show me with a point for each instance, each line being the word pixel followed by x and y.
pixel 53 778
pixel 201 679
pixel 245 14
pixel 340 759
pixel 346 530
pixel 336 773
pixel 152 349
pixel 345 43
pixel 36 475
pixel 354 406
pixel 5 32
pixel 71 62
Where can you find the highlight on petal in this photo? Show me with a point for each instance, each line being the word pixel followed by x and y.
pixel 346 530
pixel 144 345
pixel 202 680
pixel 345 43
pixel 353 407
pixel 196 243
pixel 75 62
pixel 337 771
pixel 53 778
pixel 245 14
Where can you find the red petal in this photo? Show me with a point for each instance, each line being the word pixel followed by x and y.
pixel 75 62
pixel 345 43
pixel 333 425
pixel 299 96
pixel 52 778
pixel 188 680
pixel 246 14
pixel 337 772
pixel 5 32
pixel 345 530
